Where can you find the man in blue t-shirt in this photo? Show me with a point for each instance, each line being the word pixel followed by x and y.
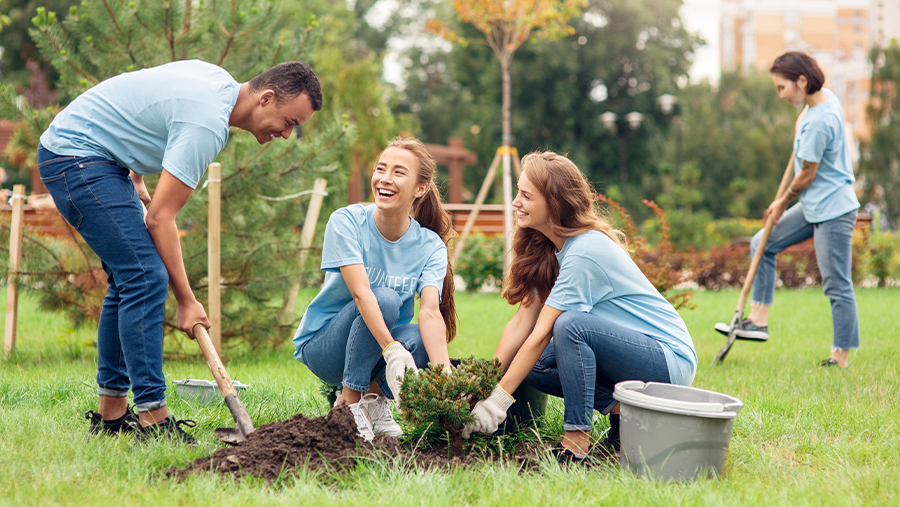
pixel 171 120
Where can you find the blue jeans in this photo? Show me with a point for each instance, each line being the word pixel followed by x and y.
pixel 834 253
pixel 346 353
pixel 585 359
pixel 97 197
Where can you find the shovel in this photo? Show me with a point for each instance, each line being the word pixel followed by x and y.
pixel 244 427
pixel 745 291
pixel 754 264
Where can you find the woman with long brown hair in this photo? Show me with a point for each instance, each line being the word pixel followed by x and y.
pixel 587 317
pixel 377 258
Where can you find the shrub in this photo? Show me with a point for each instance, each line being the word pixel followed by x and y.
pixel 446 399
pixel 482 261
pixel 879 259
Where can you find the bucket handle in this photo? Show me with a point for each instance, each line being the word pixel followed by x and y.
pixel 629 396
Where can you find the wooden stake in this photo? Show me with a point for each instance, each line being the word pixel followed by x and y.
pixel 15 256
pixel 517 164
pixel 214 283
pixel 479 200
pixel 507 210
pixel 306 239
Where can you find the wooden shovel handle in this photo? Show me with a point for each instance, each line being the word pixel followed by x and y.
pixel 767 230
pixel 212 359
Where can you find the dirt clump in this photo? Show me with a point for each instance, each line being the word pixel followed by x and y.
pixel 329 442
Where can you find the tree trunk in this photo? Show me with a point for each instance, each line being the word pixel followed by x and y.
pixel 505 62
pixel 456 439
pixel 456 442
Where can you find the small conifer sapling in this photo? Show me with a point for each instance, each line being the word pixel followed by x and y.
pixel 447 399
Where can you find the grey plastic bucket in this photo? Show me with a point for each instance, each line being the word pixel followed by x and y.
pixel 674 432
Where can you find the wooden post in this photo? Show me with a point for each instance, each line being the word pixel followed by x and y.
pixel 479 200
pixel 455 172
pixel 15 256
pixel 507 209
pixel 356 184
pixel 312 217
pixel 517 164
pixel 306 238
pixel 215 255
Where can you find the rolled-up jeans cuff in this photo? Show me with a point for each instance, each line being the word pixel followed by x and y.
pixel 355 387
pixel 150 405
pixel 576 427
pixel 115 393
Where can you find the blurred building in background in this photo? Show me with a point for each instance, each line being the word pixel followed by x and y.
pixel 837 33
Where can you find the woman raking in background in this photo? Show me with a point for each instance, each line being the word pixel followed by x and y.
pixel 823 179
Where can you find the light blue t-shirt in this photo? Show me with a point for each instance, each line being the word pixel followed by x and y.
pixel 598 277
pixel 821 138
pixel 415 261
pixel 173 117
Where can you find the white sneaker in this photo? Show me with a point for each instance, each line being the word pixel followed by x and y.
pixel 363 424
pixel 380 414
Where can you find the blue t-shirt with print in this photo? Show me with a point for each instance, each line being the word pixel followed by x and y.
pixel 597 276
pixel 821 138
pixel 173 117
pixel 415 261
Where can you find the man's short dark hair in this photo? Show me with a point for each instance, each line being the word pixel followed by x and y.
pixel 288 80
pixel 794 64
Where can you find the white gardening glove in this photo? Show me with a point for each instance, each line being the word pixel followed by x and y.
pixel 489 413
pixel 398 359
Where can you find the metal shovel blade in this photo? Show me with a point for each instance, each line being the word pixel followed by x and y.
pixel 735 322
pixel 244 427
pixel 232 436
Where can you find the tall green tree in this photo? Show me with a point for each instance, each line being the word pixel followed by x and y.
pixel 260 245
pixel 728 149
pixel 880 162
pixel 350 62
pixel 18 48
pixel 621 58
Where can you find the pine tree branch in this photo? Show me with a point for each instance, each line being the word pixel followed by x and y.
pixel 308 34
pixel 314 155
pixel 230 38
pixel 170 33
pixel 277 52
pixel 78 70
pixel 140 20
pixel 112 16
pixel 186 27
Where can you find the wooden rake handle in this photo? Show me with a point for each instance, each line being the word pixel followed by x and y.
pixel 767 231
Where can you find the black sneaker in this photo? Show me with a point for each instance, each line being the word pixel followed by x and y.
pixel 565 456
pixel 746 330
pixel 124 424
pixel 612 442
pixel 168 428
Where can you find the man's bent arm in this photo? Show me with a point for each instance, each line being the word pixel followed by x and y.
pixel 170 196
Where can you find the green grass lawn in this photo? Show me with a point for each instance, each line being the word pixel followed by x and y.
pixel 806 435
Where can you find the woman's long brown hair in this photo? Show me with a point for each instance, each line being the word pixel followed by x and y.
pixel 571 211
pixel 427 210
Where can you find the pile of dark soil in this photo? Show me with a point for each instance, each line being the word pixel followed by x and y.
pixel 327 443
